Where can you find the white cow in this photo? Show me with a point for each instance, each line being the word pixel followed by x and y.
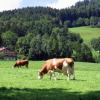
pixel 61 65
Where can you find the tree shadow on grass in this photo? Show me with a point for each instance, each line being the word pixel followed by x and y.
pixel 45 94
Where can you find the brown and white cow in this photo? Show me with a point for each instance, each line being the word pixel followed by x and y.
pixel 62 65
pixel 20 63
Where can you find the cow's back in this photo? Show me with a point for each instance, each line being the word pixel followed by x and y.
pixel 21 63
pixel 48 64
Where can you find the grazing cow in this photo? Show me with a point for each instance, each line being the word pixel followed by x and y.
pixel 61 65
pixel 20 63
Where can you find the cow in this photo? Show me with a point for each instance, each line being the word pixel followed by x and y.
pixel 20 63
pixel 61 65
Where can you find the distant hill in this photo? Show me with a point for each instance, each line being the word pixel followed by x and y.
pixel 42 32
pixel 87 33
pixel 22 21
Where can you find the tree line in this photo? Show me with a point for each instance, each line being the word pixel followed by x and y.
pixel 60 43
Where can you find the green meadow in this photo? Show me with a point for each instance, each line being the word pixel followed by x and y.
pixel 86 32
pixel 22 83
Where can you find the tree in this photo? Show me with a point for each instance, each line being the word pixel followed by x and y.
pixel 82 52
pixel 9 39
pixel 93 21
pixel 22 46
pixel 52 47
pixel 86 54
pixel 64 43
pixel 80 22
pixel 35 51
pixel 45 39
pixel 0 41
pixel 96 44
pixel 98 24
pixel 67 23
pixel 87 21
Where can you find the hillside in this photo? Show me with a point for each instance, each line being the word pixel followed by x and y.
pixel 87 33
pixel 42 32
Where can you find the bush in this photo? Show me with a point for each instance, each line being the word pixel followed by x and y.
pixel 1 55
pixel 96 44
pixel 97 59
pixel 83 53
pixel 96 55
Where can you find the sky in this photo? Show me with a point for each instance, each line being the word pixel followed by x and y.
pixel 15 4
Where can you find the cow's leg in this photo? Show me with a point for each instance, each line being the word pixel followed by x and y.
pixel 73 75
pixel 52 74
pixel 70 76
pixel 71 71
pixel 26 65
pixel 17 66
pixel 68 73
pixel 66 70
pixel 57 75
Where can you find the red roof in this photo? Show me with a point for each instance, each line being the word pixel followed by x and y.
pixel 3 48
pixel 7 51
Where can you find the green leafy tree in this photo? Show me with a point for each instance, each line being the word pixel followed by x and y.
pixel 35 51
pixel 82 52
pixel 45 43
pixel 98 24
pixel 67 24
pixel 64 43
pixel 22 46
pixel 52 47
pixel 96 44
pixel 9 39
pixel 87 21
pixel 80 22
pixel 86 54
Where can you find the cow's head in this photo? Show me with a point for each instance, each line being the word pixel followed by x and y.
pixel 40 75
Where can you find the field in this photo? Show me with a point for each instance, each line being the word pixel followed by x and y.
pixel 87 33
pixel 22 83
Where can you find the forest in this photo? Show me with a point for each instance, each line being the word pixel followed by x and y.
pixel 42 32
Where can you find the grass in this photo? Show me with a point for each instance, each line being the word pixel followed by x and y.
pixel 87 33
pixel 22 83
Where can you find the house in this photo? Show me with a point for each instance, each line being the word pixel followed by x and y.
pixel 7 54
